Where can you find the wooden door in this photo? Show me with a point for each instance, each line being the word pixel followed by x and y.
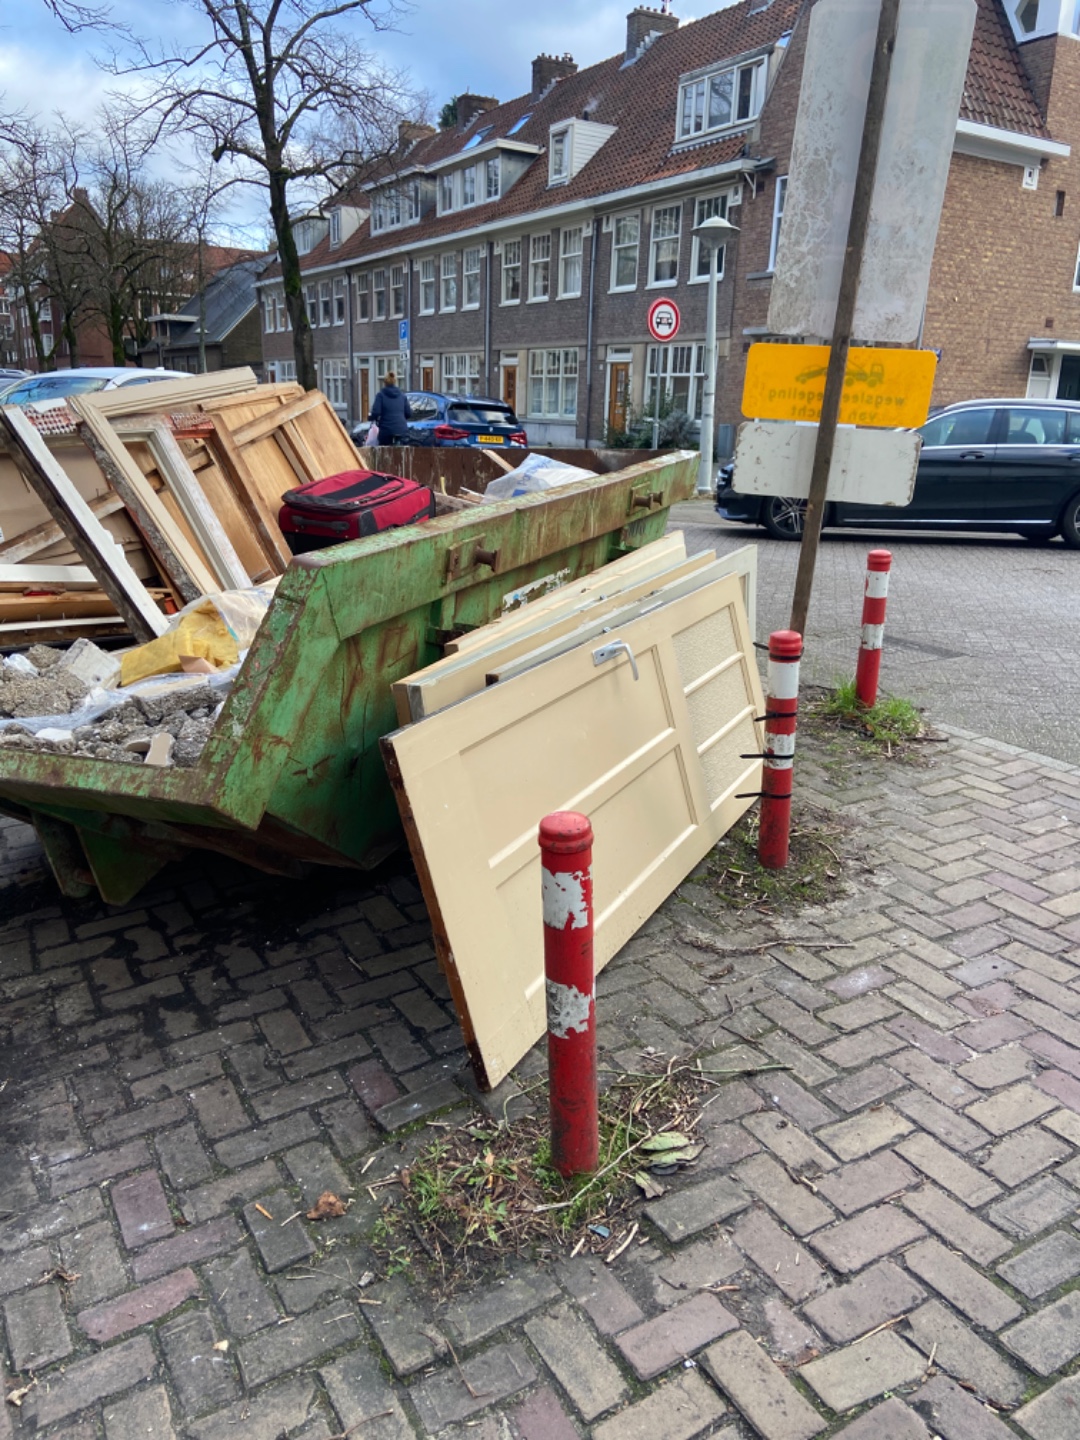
pixel 509 388
pixel 662 765
pixel 618 394
pixel 427 377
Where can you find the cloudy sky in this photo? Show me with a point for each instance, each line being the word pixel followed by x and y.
pixel 486 46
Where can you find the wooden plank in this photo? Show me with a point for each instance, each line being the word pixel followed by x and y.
pixel 308 464
pixel 263 520
pixel 163 395
pixel 31 608
pixel 82 527
pixel 45 632
pixel 224 503
pixel 25 577
pixel 273 419
pixel 656 763
pixel 277 391
pixel 41 537
pixel 498 459
pixel 185 570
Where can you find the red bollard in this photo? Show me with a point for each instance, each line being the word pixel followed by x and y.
pixel 873 626
pixel 781 708
pixel 566 859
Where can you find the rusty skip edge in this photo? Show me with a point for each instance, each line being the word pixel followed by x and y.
pixel 323 601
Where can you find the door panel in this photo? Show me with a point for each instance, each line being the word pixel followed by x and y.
pixel 658 764
pixel 618 395
pixel 1035 470
pixel 427 377
pixel 509 386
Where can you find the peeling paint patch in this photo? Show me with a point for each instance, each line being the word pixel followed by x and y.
pixel 517 599
pixel 567 1009
pixel 564 899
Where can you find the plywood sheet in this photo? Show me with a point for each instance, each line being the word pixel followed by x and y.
pixel 654 762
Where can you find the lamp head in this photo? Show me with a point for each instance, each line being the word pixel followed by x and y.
pixel 715 231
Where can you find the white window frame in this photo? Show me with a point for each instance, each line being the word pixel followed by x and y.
pixel 569 288
pixel 692 123
pixel 397 292
pixel 635 215
pixel 656 240
pixel 561 142
pixel 378 294
pixel 1076 272
pixel 311 302
pixel 326 303
pixel 286 369
pixel 335 229
pixel 539 265
pixel 340 307
pixel 779 200
pixel 470 278
pixel 660 367
pixel 429 285
pixel 468 186
pixel 447 191
pixel 461 374
pixel 448 283
pixel 703 209
pixel 492 171
pixel 268 315
pixel 363 297
pixel 509 266
pixel 280 313
pixel 335 382
pixel 553 373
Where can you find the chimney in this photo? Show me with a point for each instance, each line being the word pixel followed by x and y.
pixel 469 106
pixel 643 23
pixel 549 68
pixel 410 131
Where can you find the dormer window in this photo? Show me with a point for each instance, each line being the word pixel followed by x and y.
pixel 559 155
pixel 335 229
pixel 730 96
pixel 571 145
pixel 1027 15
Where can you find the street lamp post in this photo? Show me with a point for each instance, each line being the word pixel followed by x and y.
pixel 713 233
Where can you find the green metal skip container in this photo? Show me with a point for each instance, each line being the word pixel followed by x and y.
pixel 292 774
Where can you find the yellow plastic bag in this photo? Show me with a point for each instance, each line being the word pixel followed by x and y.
pixel 200 632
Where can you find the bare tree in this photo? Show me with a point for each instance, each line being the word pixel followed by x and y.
pixel 32 191
pixel 283 92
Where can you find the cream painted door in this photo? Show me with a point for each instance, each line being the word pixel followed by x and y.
pixel 654 762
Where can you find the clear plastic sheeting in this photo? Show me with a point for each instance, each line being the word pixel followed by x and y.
pixel 99 703
pixel 535 473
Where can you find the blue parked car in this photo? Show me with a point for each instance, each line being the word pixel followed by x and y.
pixel 458 420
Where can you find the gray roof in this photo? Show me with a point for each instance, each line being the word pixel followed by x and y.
pixel 230 295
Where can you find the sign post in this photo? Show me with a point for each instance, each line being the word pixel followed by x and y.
pixel 664 321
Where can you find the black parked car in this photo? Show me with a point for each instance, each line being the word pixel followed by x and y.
pixel 1005 465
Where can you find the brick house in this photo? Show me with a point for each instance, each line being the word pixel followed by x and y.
pixel 518 252
pixel 231 319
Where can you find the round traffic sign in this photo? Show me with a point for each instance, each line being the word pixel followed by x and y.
pixel 664 319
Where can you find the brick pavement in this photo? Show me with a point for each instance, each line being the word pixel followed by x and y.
pixel 897 1211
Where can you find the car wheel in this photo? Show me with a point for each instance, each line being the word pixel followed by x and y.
pixel 1070 523
pixel 783 517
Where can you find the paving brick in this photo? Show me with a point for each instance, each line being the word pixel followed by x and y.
pixel 683 1408
pixel 699 1266
pixel 788 1096
pixel 955 1415
pixel 957 1349
pixel 962 1286
pixel 283 1032
pixel 456 1394
pixel 956 1131
pixel 891 1420
pixel 189 1247
pixel 87 1381
pixel 311 1091
pixel 183 1157
pixel 946 1048
pixel 138 1307
pixel 865 1087
pixel 874 1233
pixel 608 1305
pixel 276 1351
pixel 1054 1414
pixel 1063 1089
pixel 349 1127
pixel 863 1134
pixel 282 1239
pixel 18 1271
pixel 1065 1123
pixel 263 1140
pixel 862 1047
pixel 690 1210
pixel 428 1100
pixel 879 1294
pixel 145 1412
pixel 925 1006
pixel 486 1311
pixel 658 1344
pixel 853 1015
pixel 240 1293
pixel 1048 1339
pixel 779 1256
pixel 219 1109
pixel 1011 1108
pixel 939 1081
pixel 760 1390
pixel 964 1231
pixel 358 1392
pixel 998 1067
pixel 405 1331
pixel 862 1372
pixel 37 1330
pixel 583 1369
pixel 1030 1211
pixel 997 1030
pixel 145 1120
pixel 203 1378
pixel 540 1416
pixel 952 1173
pixel 795 1204
pixel 865 1182
pixel 789 1336
pixel 142 1210
pixel 1024 1153
pixel 209 1201
pixel 105 1165
pixel 788 1143
pixel 1043 1266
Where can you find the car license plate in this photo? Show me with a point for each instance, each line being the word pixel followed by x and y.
pixel 489 440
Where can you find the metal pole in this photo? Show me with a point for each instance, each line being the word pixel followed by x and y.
pixel 708 405
pixel 845 309
pixel 778 772
pixel 566 875
pixel 656 404
pixel 875 595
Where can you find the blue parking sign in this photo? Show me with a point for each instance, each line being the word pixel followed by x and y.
pixel 403 334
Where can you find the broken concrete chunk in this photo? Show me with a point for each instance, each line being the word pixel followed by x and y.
pixel 43 657
pixel 160 751
pixel 92 665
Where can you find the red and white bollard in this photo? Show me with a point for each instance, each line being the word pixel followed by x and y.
pixel 875 595
pixel 566 859
pixel 781 709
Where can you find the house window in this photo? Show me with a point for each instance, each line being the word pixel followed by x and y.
pixel 311 301
pixel 1076 273
pixel 570 263
pixel 448 270
pixel 363 297
pixel 412 201
pixel 553 378
pixel 378 290
pixel 468 186
pixel 727 97
pixel 560 155
pixel 624 251
pixel 511 272
pixel 335 229
pixel 664 250
pixel 268 314
pixel 777 216
pixel 461 374
pixel 679 370
pixel 378 215
pixel 339 299
pixel 325 308
pixel 286 369
pixel 446 193
pixel 427 286
pixel 704 209
pixel 539 267
pixel 279 311
pixel 397 291
pixel 491 169
pixel 335 382
pixel 470 272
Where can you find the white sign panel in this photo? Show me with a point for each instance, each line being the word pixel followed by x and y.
pixel 869 467
pixel 925 87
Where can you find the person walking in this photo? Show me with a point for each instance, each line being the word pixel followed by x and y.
pixel 391 412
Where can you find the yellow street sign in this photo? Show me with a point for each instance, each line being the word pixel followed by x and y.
pixel 886 388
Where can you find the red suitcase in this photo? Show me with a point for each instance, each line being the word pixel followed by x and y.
pixel 349 506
